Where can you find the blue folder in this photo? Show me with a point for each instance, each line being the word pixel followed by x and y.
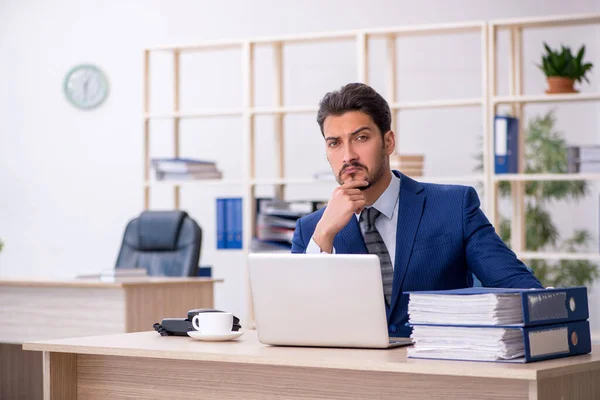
pixel 221 232
pixel 545 342
pixel 506 145
pixel 230 219
pixel 237 225
pixel 539 306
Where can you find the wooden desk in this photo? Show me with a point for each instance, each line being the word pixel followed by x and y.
pixel 42 309
pixel 148 366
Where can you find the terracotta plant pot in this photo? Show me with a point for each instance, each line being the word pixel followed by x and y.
pixel 558 84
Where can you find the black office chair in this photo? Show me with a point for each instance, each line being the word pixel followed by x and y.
pixel 165 243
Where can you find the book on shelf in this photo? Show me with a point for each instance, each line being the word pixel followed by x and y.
pixel 408 158
pixel 583 159
pixel 503 325
pixel 185 169
pixel 186 176
pixel 409 164
pixel 182 165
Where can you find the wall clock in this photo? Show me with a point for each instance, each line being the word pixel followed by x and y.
pixel 86 86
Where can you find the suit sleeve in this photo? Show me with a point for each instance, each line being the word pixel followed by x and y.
pixel 298 245
pixel 488 257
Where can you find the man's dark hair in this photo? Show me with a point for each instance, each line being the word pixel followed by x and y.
pixel 356 97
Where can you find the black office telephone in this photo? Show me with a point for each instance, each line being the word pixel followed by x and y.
pixel 181 326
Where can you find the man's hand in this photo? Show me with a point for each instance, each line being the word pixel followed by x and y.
pixel 346 200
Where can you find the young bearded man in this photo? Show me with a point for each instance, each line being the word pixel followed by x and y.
pixel 427 236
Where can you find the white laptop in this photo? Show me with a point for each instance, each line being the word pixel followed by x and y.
pixel 322 300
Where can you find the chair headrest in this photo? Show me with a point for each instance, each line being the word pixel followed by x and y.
pixel 159 230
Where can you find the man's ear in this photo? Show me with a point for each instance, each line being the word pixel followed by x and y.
pixel 389 140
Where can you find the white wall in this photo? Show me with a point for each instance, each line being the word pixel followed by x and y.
pixel 70 180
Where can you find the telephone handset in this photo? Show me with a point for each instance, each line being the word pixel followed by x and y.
pixel 181 326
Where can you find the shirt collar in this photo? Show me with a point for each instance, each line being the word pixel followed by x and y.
pixel 386 203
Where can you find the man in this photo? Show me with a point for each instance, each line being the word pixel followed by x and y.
pixel 427 236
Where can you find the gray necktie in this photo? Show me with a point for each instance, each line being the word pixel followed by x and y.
pixel 375 245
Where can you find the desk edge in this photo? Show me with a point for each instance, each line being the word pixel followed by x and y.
pixel 404 368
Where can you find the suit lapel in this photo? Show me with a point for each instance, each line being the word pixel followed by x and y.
pixel 349 240
pixel 410 209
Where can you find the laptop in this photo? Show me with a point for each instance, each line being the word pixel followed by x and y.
pixel 319 300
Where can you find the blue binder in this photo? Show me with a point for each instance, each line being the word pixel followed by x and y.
pixel 237 225
pixel 545 342
pixel 506 145
pixel 539 306
pixel 221 239
pixel 229 223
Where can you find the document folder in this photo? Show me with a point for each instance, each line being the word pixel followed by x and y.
pixel 537 306
pixel 518 344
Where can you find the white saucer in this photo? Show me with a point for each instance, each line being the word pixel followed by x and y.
pixel 197 335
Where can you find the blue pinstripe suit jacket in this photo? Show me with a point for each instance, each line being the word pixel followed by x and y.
pixel 441 239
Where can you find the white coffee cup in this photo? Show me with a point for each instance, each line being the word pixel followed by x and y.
pixel 213 323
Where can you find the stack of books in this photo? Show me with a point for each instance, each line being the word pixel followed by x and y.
pixel 583 159
pixel 185 169
pixel 499 325
pixel 276 222
pixel 409 164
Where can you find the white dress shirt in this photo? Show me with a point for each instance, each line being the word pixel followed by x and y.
pixel 386 223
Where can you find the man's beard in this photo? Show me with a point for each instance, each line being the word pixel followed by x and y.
pixel 371 178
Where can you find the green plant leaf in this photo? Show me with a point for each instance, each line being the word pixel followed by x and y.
pixel 504 188
pixel 574 273
pixel 580 54
pixel 505 231
pixel 540 229
pixel 541 271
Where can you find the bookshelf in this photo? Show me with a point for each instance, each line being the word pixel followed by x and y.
pixel 517 101
pixel 488 102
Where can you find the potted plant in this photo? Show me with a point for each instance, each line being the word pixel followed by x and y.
pixel 562 69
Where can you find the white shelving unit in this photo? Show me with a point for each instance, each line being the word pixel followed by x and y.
pixel 517 101
pixel 545 98
pixel 488 102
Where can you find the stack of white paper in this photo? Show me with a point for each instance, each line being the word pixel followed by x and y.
pixel 471 343
pixel 466 327
pixel 475 309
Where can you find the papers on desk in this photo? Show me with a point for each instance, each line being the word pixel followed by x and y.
pixel 509 325
pixel 117 274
